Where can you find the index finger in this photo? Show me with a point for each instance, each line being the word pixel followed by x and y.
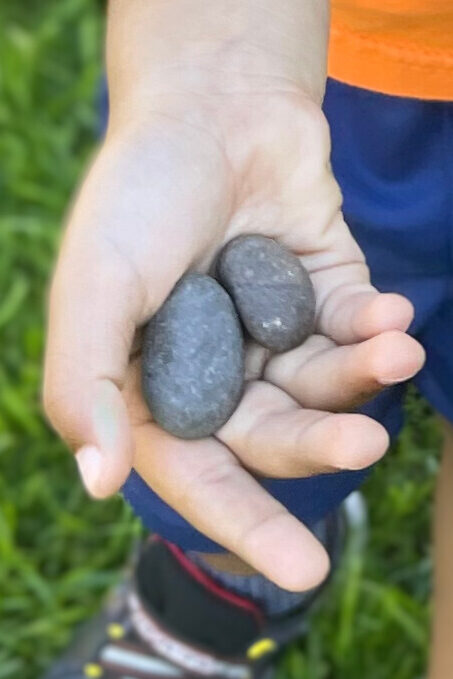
pixel 204 483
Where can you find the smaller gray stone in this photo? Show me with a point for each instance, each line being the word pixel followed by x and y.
pixel 193 359
pixel 271 290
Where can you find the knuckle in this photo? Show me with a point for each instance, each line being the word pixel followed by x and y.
pixel 62 411
pixel 51 401
pixel 219 475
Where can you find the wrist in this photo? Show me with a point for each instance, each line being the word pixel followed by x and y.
pixel 186 48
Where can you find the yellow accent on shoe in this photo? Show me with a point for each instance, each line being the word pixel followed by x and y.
pixel 260 648
pixel 93 671
pixel 116 631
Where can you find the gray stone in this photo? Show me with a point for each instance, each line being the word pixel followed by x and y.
pixel 193 359
pixel 271 289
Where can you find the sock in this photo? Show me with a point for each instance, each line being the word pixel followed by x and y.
pixel 273 600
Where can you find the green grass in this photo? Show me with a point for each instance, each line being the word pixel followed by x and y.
pixel 59 552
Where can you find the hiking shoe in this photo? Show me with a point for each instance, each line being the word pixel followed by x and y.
pixel 171 620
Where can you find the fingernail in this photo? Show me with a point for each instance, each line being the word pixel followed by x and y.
pixel 90 463
pixel 397 380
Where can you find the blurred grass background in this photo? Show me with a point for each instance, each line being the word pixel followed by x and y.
pixel 59 552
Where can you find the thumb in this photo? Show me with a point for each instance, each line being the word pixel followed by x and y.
pixel 96 304
pixel 131 236
pixel 92 318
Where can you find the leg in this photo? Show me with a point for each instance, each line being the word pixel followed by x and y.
pixel 441 664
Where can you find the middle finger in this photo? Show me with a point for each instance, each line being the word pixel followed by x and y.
pixel 319 374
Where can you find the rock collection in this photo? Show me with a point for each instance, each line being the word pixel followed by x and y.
pixel 193 351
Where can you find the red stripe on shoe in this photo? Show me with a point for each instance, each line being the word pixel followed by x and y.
pixel 217 590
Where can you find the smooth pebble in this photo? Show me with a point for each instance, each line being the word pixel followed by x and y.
pixel 193 359
pixel 271 290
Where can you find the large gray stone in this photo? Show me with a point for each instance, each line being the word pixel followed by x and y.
pixel 193 359
pixel 271 289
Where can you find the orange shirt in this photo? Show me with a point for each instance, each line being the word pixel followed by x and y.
pixel 400 47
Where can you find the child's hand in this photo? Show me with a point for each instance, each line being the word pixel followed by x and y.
pixel 186 166
pixel 160 198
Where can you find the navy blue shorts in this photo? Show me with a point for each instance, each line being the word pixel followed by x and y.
pixel 393 159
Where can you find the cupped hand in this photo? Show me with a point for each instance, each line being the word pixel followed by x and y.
pixel 162 196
